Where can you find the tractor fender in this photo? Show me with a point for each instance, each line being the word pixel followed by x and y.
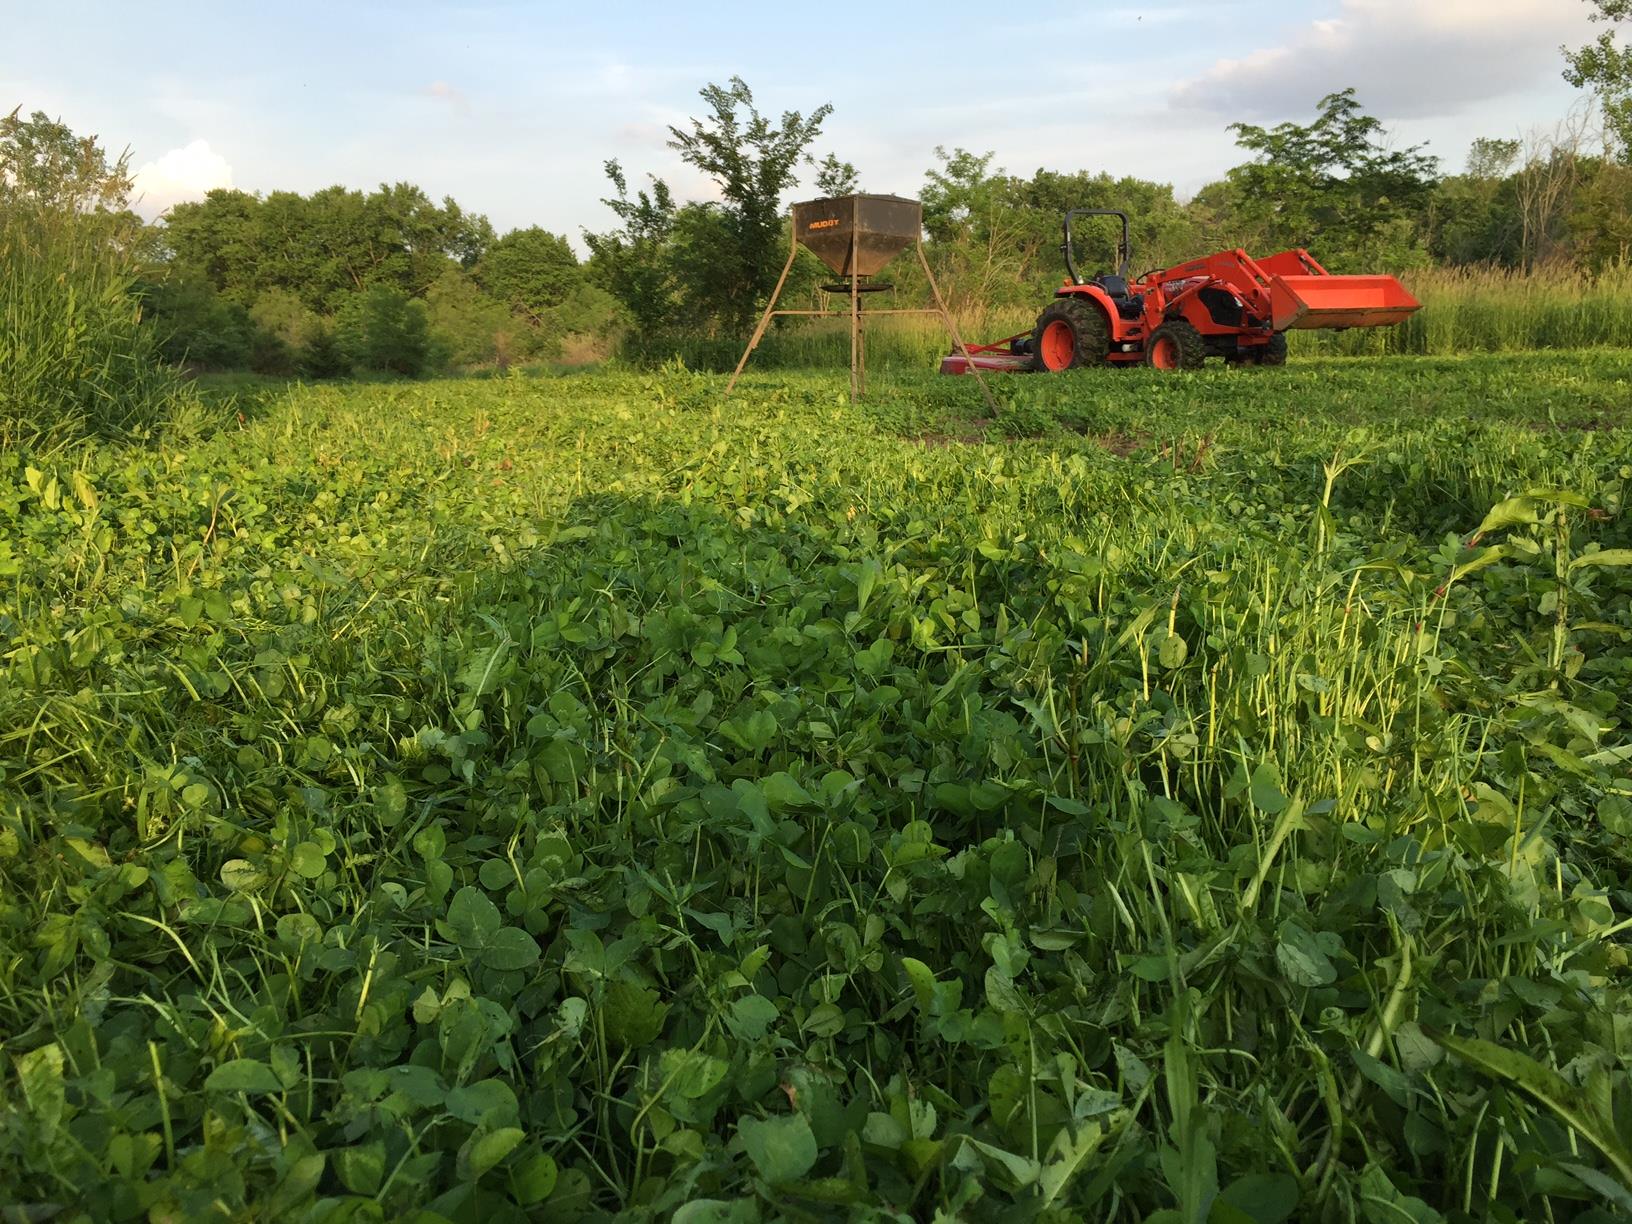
pixel 1120 328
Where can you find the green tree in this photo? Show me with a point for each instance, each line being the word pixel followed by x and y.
pixel 752 161
pixel 1473 217
pixel 589 312
pixel 325 246
pixel 291 336
pixel 196 326
pixel 962 196
pixel 1490 158
pixel 707 266
pixel 1605 66
pixel 1161 231
pixel 974 231
pixel 324 356
pixel 633 262
pixel 705 259
pixel 382 328
pixel 995 238
pixel 836 178
pixel 220 240
pixel 43 163
pixel 1333 185
pixel 1599 221
pixel 416 239
pixel 469 327
pixel 531 271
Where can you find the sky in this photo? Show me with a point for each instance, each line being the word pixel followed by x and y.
pixel 512 108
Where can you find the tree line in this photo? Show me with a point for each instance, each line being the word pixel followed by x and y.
pixel 344 280
pixel 341 280
pixel 391 280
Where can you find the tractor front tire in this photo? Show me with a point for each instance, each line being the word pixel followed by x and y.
pixel 1069 336
pixel 1175 345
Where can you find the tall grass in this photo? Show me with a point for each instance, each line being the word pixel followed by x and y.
pixel 1465 310
pixel 74 360
pixel 1496 310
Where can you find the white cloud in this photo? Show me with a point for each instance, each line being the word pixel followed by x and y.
pixel 1407 59
pixel 181 174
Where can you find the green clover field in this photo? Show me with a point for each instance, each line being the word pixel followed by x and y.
pixel 1171 798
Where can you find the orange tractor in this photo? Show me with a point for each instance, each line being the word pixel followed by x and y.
pixel 1227 305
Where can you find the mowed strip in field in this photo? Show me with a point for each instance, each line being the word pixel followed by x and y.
pixel 533 798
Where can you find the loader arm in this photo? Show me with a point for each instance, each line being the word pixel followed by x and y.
pixel 1291 291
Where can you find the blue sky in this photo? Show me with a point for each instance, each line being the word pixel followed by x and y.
pixel 513 107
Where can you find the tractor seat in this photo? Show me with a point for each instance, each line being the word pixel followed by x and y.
pixel 1128 305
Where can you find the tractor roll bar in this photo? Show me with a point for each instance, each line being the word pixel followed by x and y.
pixel 1123 251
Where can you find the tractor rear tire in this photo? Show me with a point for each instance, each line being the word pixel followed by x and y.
pixel 1069 336
pixel 1175 345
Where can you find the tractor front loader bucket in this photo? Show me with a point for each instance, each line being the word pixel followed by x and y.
pixel 1312 302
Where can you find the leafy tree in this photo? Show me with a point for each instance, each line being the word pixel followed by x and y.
pixel 196 326
pixel 836 178
pixel 290 336
pixel 996 237
pixel 589 312
pixel 961 196
pixel 705 260
pixel 1599 217
pixel 1333 184
pixel 43 163
pixel 752 161
pixel 417 238
pixel 1473 217
pixel 1489 158
pixel 324 356
pixel 382 328
pixel 975 235
pixel 708 266
pixel 530 270
pixel 326 246
pixel 219 239
pixel 1605 66
pixel 633 261
pixel 467 326
pixel 1161 230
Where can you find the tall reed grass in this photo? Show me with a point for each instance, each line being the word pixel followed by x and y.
pixel 1496 310
pixel 1465 310
pixel 74 358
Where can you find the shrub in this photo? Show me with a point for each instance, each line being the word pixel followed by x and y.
pixel 322 356
pixel 588 311
pixel 382 328
pixel 468 328
pixel 195 325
